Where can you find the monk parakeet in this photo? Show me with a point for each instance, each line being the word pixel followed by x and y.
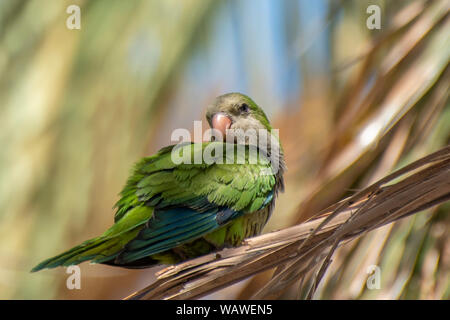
pixel 193 198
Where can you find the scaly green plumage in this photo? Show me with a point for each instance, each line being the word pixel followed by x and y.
pixel 171 211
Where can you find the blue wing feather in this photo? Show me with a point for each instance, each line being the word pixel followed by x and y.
pixel 172 227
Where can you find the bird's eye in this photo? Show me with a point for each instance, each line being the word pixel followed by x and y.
pixel 244 108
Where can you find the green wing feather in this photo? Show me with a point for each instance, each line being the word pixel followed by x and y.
pixel 165 203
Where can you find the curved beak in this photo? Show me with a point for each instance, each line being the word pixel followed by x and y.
pixel 221 122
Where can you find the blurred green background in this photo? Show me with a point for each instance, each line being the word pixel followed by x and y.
pixel 79 107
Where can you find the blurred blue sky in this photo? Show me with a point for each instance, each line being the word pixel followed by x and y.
pixel 259 47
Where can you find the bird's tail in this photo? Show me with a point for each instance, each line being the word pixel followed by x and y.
pixel 106 247
pixel 98 250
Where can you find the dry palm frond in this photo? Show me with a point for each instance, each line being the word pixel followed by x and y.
pixel 394 108
pixel 411 68
pixel 308 247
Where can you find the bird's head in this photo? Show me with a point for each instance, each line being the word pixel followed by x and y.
pixel 238 119
pixel 235 112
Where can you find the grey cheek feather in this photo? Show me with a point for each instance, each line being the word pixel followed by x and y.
pixel 246 130
pixel 247 123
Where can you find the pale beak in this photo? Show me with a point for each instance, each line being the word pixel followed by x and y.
pixel 221 122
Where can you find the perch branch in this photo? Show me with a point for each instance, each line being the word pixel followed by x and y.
pixel 306 246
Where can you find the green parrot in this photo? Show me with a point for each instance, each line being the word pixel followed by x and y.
pixel 171 210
